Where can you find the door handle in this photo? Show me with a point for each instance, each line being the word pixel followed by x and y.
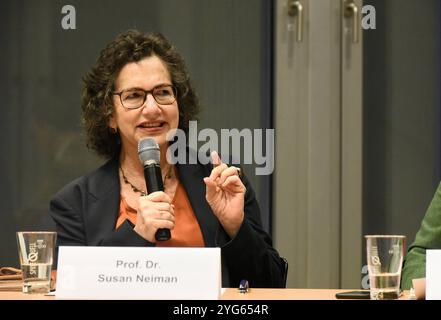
pixel 351 11
pixel 295 10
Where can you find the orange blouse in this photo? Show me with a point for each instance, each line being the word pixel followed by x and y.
pixel 186 233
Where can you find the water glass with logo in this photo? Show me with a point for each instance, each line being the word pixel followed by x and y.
pixel 36 251
pixel 385 255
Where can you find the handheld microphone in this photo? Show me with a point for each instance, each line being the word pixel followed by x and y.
pixel 149 154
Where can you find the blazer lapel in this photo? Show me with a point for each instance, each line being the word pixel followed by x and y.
pixel 103 202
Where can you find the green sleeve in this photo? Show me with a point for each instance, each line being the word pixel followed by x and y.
pixel 428 237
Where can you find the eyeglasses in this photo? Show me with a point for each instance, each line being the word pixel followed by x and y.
pixel 135 98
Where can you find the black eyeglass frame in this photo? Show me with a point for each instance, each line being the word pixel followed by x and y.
pixel 146 92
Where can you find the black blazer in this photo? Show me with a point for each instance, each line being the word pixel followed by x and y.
pixel 85 212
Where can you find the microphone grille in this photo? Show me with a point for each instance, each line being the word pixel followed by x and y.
pixel 148 151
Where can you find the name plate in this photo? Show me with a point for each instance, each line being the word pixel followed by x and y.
pixel 138 273
pixel 433 274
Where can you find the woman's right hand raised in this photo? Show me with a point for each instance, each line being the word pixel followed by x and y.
pixel 155 211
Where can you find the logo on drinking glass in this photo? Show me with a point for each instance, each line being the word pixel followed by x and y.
pixel 32 257
pixel 375 260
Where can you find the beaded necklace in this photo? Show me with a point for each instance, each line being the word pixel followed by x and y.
pixel 137 190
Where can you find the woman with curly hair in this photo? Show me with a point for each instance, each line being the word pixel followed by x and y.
pixel 138 88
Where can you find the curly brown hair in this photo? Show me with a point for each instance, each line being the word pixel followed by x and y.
pixel 98 86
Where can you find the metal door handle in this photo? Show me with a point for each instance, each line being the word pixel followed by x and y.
pixel 351 11
pixel 295 9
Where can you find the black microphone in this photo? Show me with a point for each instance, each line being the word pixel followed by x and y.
pixel 149 154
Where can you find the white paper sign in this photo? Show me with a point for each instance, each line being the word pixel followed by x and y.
pixel 433 274
pixel 138 273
